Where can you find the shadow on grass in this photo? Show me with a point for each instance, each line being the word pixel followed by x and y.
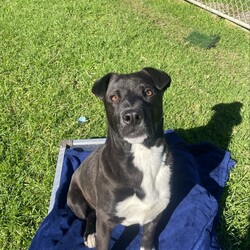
pixel 219 132
pixel 220 127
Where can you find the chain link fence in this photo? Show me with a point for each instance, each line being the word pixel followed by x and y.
pixel 237 11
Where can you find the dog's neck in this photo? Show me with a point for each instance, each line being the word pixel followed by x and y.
pixel 120 144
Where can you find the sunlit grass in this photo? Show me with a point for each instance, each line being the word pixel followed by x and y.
pixel 50 54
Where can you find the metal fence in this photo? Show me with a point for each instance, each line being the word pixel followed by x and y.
pixel 237 11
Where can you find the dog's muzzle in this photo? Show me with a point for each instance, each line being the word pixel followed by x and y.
pixel 133 125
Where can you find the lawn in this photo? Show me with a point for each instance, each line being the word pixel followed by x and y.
pixel 51 52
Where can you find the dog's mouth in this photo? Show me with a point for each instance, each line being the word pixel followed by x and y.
pixel 146 132
pixel 133 128
pixel 136 140
pixel 135 134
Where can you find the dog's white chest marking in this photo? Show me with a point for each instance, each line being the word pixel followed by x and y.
pixel 155 184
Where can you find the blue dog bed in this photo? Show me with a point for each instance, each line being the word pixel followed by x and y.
pixel 201 171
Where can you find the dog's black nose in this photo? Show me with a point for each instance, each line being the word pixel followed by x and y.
pixel 132 117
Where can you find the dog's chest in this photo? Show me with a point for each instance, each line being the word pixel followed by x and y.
pixel 155 184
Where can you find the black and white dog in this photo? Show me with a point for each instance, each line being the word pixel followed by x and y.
pixel 126 180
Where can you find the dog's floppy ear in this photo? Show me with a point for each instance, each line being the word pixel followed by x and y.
pixel 100 86
pixel 161 79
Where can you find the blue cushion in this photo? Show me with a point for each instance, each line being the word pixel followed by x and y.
pixel 200 173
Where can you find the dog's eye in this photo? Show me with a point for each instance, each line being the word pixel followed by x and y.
pixel 149 92
pixel 114 98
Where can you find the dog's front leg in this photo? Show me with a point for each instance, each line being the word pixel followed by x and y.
pixel 149 233
pixel 103 232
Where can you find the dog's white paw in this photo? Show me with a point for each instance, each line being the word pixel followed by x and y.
pixel 90 241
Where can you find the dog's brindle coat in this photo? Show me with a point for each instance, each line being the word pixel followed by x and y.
pixel 126 180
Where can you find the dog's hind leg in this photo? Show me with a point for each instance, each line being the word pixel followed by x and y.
pixel 80 207
pixel 77 202
pixel 89 236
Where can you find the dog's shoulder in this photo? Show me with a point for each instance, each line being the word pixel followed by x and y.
pixel 93 157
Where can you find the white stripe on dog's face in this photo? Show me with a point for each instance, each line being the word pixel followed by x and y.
pixel 155 184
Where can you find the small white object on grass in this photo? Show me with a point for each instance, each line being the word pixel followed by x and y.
pixel 82 119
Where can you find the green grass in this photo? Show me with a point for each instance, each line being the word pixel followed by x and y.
pixel 50 54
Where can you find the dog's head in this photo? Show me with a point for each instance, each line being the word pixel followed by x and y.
pixel 133 103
